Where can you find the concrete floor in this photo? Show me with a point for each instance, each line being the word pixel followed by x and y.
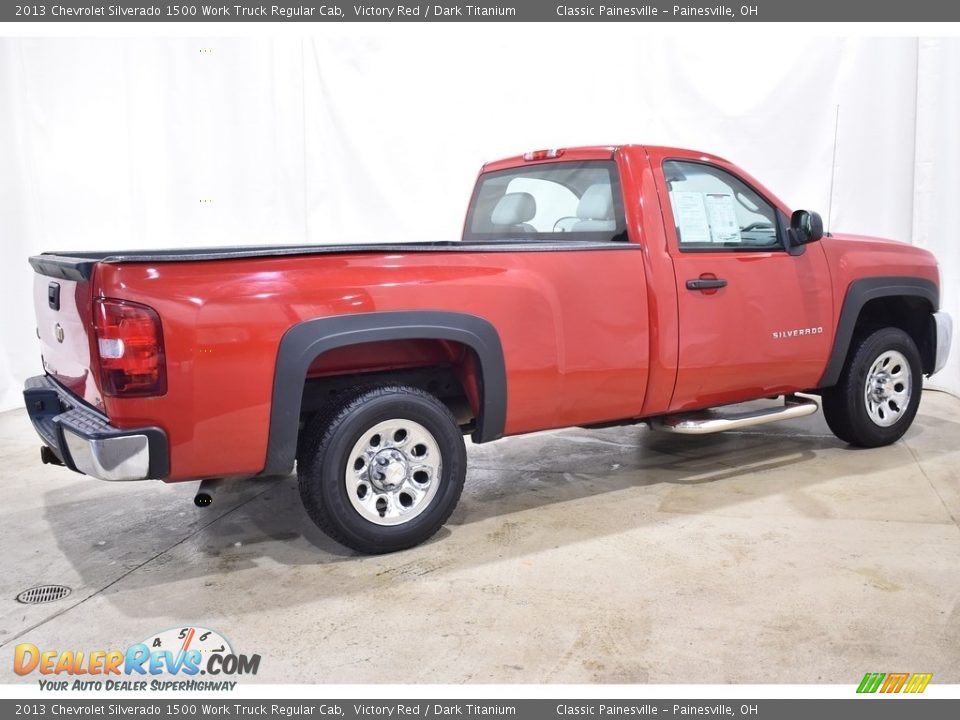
pixel 776 554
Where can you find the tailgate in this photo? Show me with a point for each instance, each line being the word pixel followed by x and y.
pixel 63 308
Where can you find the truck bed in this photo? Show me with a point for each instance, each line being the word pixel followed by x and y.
pixel 78 265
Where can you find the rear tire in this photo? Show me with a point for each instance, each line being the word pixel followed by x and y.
pixel 382 470
pixel 878 393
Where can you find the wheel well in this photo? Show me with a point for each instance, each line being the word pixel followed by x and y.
pixel 387 343
pixel 911 314
pixel 447 370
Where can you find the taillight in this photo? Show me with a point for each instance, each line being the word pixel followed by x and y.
pixel 130 347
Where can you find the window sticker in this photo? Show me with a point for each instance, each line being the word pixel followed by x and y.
pixel 723 218
pixel 690 214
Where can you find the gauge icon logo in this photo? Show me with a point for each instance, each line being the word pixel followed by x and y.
pixel 185 639
pixel 192 650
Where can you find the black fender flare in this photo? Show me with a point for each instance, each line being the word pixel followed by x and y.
pixel 859 293
pixel 304 342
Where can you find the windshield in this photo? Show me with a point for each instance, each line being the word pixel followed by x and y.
pixel 552 201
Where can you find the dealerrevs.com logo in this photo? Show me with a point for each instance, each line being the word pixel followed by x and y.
pixel 174 659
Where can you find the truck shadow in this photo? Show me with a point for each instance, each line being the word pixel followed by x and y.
pixel 256 545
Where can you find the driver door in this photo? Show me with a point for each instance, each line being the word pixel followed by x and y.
pixel 754 319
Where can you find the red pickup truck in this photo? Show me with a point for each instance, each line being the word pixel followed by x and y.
pixel 592 286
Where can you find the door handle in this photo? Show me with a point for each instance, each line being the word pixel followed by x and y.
pixel 706 284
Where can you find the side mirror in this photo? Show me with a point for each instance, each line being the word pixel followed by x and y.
pixel 805 227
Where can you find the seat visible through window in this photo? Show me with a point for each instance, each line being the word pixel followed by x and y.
pixel 514 211
pixel 595 209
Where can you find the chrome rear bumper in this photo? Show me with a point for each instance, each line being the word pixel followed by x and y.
pixel 86 442
pixel 944 326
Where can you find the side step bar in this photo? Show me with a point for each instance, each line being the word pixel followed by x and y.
pixel 704 422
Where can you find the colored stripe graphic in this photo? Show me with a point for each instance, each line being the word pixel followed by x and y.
pixel 918 682
pixel 870 682
pixel 894 682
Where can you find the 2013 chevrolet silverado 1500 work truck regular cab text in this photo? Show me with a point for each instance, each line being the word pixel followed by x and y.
pixel 592 286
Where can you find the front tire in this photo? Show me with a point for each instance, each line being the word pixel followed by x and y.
pixel 383 469
pixel 878 393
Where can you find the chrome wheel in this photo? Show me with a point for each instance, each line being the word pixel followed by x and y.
pixel 393 472
pixel 888 388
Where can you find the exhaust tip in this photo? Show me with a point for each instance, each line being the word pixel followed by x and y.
pixel 204 496
pixel 49 457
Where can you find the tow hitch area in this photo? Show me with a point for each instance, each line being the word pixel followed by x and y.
pixel 49 457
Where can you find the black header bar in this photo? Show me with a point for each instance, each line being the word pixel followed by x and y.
pixel 190 11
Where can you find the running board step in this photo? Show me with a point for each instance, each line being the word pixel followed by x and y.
pixel 704 422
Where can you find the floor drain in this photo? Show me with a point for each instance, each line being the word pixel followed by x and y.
pixel 43 594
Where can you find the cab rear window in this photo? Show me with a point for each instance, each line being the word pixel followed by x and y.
pixel 553 201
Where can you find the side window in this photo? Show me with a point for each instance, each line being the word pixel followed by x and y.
pixel 714 210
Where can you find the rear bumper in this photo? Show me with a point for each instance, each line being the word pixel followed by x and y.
pixel 86 442
pixel 944 325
